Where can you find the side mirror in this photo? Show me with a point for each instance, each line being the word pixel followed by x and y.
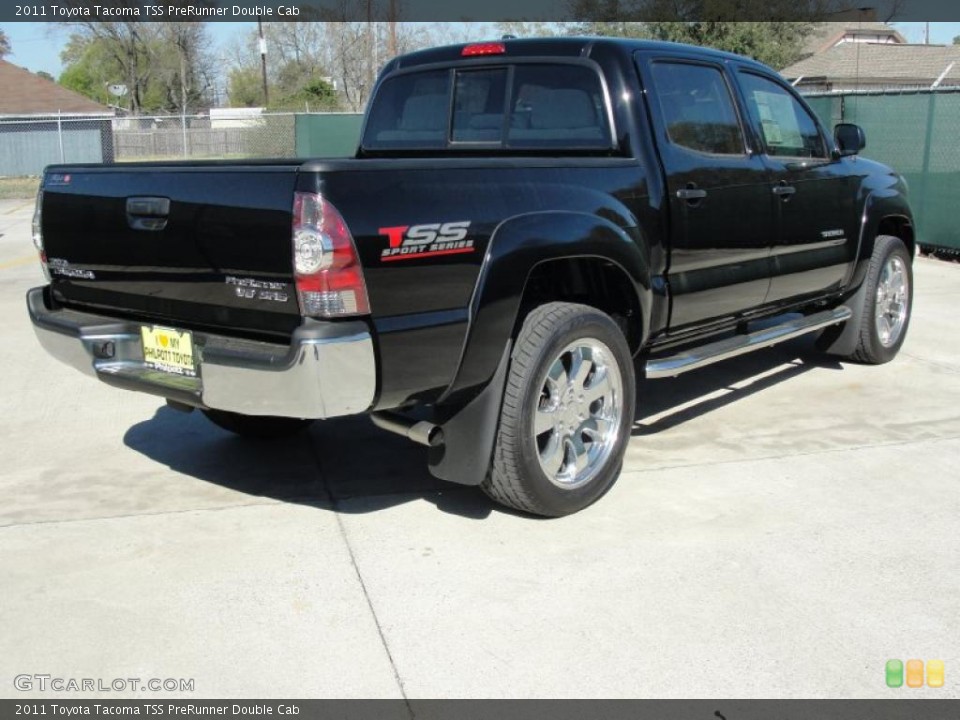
pixel 850 139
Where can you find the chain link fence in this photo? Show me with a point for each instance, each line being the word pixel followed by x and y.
pixel 199 137
pixel 28 145
pixel 916 132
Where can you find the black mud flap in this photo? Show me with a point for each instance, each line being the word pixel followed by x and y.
pixel 469 436
pixel 842 339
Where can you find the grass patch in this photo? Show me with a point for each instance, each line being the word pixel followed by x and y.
pixel 17 188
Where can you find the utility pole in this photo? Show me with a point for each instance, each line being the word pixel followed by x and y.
pixel 182 50
pixel 263 61
pixel 392 29
pixel 371 43
pixel 181 46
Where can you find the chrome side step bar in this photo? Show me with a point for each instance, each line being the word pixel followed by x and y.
pixel 699 357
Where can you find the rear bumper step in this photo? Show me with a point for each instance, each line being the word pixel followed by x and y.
pixel 699 357
pixel 328 370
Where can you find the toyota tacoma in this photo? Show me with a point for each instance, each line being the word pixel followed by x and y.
pixel 526 228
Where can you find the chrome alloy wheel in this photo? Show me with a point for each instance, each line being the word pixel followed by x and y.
pixel 893 300
pixel 579 413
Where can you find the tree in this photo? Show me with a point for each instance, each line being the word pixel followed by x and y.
pixel 4 45
pixel 122 49
pixel 90 69
pixel 353 61
pixel 774 35
pixel 46 76
pixel 777 44
pixel 299 69
pixel 301 57
pixel 331 65
pixel 184 65
pixel 618 11
pixel 534 29
pixel 165 67
pixel 244 88
pixel 357 51
pixel 296 68
pixel 956 40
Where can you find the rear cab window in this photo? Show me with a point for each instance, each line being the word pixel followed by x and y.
pixel 525 106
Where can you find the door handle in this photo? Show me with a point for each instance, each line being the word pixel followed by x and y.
pixel 148 206
pixel 148 213
pixel 693 195
pixel 784 191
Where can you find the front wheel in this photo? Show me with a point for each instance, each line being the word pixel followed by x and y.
pixel 567 412
pixel 887 303
pixel 261 427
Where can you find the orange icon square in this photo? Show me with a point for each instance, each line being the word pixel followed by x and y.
pixel 914 673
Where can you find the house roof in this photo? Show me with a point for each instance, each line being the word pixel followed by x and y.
pixel 24 93
pixel 827 34
pixel 897 63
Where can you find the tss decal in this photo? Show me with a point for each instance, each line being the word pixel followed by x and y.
pixel 428 240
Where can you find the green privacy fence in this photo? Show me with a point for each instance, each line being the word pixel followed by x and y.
pixel 329 135
pixel 918 134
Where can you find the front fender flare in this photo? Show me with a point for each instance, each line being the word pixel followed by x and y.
pixel 880 204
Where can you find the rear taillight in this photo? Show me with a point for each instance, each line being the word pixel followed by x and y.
pixel 38 235
pixel 326 267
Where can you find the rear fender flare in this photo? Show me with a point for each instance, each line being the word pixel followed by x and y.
pixel 517 246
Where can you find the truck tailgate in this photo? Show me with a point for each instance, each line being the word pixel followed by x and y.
pixel 197 246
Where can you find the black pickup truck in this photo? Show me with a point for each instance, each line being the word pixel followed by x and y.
pixel 527 226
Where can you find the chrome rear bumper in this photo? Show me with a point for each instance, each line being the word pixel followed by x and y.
pixel 328 370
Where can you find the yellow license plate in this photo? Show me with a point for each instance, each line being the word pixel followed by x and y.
pixel 168 350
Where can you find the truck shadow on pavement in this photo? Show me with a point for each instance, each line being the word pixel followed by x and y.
pixel 350 466
pixel 347 465
pixel 667 403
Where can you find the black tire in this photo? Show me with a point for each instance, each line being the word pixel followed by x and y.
pixel 260 427
pixel 516 478
pixel 871 349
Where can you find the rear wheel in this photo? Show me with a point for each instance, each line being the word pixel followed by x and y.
pixel 262 427
pixel 567 412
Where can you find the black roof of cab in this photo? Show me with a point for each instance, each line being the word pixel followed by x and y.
pixel 559 47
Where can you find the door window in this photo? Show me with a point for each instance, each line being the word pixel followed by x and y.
pixel 697 108
pixel 785 126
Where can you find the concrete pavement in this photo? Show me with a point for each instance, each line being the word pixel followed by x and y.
pixel 784 525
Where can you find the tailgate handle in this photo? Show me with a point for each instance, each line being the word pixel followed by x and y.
pixel 148 213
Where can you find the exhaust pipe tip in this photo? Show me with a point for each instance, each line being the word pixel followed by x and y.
pixel 426 433
pixel 421 432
